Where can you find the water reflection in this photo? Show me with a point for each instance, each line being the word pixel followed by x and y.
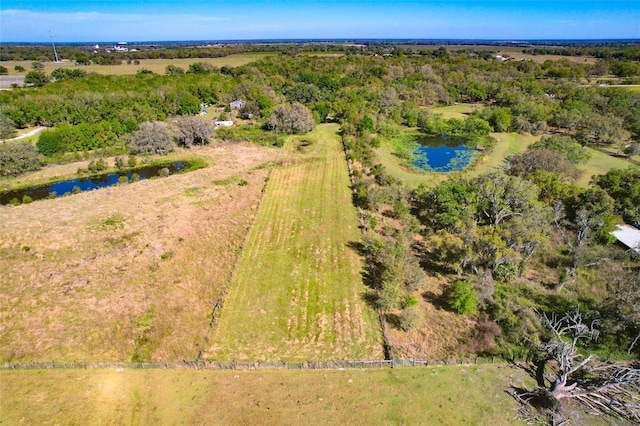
pixel 442 154
pixel 70 186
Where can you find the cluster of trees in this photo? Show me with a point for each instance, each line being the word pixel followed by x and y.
pixel 392 89
pixel 18 157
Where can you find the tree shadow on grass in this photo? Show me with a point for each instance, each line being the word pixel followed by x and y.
pixel 370 298
pixel 367 278
pixel 393 320
pixel 439 301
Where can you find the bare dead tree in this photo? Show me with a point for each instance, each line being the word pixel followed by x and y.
pixel 563 373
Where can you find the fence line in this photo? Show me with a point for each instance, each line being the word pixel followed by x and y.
pixel 233 365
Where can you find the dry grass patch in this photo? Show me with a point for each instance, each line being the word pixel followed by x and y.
pixel 158 66
pixel 126 271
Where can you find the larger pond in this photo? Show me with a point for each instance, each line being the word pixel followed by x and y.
pixel 442 154
pixel 65 187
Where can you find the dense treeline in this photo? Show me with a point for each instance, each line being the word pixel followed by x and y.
pixel 629 52
pixel 374 93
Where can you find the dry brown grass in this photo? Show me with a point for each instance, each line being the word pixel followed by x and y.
pixel 127 269
pixel 158 66
pixel 442 332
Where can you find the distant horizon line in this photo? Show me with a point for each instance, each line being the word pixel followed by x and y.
pixel 338 40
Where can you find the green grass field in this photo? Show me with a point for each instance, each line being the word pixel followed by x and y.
pixel 297 293
pixel 461 110
pixel 156 65
pixel 599 164
pixel 507 144
pixel 447 395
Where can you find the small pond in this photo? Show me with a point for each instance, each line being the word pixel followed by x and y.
pixel 442 154
pixel 66 187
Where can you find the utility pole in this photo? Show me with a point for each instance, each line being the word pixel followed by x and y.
pixel 54 47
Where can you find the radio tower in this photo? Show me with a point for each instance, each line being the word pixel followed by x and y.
pixel 54 47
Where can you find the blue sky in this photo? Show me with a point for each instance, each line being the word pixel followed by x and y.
pixel 145 20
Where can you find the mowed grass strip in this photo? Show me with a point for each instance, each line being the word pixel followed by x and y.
pixel 447 395
pixel 297 293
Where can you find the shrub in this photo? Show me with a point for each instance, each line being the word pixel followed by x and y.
pixel 483 337
pixel 462 297
pixel 410 318
pixel 120 163
pixel 392 293
pixel 26 199
pixel 7 127
pixel 97 166
pixel 506 272
pixel 411 301
pixel 19 157
pixel 572 151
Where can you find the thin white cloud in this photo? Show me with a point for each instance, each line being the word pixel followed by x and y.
pixel 574 22
pixel 25 25
pixel 78 17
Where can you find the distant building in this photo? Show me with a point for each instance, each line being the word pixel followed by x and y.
pixel 628 236
pixel 237 104
pixel 223 123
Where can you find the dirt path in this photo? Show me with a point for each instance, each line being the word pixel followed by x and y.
pixel 26 135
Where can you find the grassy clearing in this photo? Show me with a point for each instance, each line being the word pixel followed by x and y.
pixel 433 395
pixel 599 164
pixel 127 271
pixel 297 293
pixel 461 110
pixel 156 65
pixel 507 144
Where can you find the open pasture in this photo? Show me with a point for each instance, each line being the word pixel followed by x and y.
pixel 156 65
pixel 126 272
pixel 449 395
pixel 458 110
pixel 297 293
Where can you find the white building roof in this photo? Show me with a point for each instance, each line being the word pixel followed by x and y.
pixel 629 236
